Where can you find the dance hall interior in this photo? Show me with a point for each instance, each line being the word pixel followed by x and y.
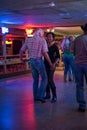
pixel 18 109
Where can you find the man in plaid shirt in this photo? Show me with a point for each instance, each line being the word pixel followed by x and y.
pixel 37 47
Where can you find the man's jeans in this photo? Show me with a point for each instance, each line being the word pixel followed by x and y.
pixel 81 71
pixel 38 69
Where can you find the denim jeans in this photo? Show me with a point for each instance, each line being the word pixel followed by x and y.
pixel 69 62
pixel 81 71
pixel 69 73
pixel 39 84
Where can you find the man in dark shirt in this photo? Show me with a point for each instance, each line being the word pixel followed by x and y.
pixel 79 49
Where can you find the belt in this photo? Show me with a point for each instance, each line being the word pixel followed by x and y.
pixel 36 58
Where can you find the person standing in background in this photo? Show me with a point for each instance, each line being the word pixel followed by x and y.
pixel 68 57
pixel 37 47
pixel 54 56
pixel 79 49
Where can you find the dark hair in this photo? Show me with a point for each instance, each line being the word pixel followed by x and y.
pixel 84 27
pixel 51 34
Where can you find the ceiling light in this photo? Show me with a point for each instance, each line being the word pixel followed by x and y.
pixel 64 14
pixel 48 30
pixel 52 30
pixel 52 4
pixel 85 15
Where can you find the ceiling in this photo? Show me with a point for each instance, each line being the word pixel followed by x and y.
pixel 43 13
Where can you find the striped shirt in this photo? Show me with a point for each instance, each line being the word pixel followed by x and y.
pixel 35 46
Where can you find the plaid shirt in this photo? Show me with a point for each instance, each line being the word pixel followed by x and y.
pixel 35 46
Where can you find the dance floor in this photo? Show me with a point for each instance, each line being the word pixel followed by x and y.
pixel 18 111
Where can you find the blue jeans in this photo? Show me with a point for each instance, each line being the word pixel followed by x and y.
pixel 38 69
pixel 68 62
pixel 81 71
pixel 69 73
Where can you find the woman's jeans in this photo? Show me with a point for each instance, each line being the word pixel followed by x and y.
pixel 38 69
pixel 81 72
pixel 69 62
pixel 69 73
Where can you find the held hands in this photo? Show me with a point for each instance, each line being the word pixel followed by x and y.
pixel 52 66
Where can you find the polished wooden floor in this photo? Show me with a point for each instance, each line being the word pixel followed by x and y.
pixel 19 112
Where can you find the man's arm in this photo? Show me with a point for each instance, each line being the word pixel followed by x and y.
pixel 22 50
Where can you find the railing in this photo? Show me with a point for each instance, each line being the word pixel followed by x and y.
pixel 12 64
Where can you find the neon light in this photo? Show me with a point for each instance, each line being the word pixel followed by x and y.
pixel 8 42
pixel 4 30
pixel 29 32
